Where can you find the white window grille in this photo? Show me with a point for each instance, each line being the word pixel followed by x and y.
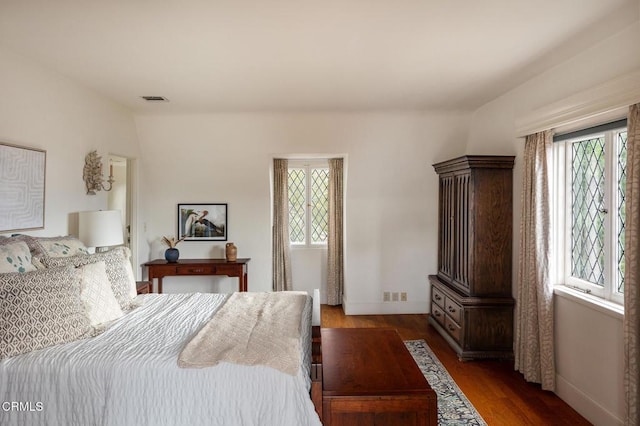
pixel 590 188
pixel 308 203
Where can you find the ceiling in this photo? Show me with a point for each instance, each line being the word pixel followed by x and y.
pixel 279 55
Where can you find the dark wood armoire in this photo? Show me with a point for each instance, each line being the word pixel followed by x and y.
pixel 471 299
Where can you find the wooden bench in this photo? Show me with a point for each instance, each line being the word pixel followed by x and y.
pixel 370 378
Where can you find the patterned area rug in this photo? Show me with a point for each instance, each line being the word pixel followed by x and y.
pixel 453 406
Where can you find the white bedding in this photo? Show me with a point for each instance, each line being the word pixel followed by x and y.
pixel 129 376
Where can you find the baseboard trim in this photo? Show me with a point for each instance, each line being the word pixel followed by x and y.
pixel 384 308
pixel 589 408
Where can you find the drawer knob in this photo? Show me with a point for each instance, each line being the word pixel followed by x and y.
pixel 196 270
pixel 451 309
pixel 437 297
pixel 436 313
pixel 451 327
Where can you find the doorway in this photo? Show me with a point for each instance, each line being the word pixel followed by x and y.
pixel 121 197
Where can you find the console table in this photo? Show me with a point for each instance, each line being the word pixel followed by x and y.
pixel 160 268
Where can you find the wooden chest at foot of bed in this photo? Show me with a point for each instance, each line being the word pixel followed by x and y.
pixel 369 377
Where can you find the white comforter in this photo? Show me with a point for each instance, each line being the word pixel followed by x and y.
pixel 129 376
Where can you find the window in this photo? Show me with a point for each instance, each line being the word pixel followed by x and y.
pixel 308 203
pixel 592 187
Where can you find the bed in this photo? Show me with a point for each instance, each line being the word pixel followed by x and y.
pixel 129 375
pixel 126 372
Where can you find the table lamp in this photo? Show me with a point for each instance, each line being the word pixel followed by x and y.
pixel 100 229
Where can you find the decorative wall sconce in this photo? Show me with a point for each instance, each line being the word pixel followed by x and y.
pixel 92 174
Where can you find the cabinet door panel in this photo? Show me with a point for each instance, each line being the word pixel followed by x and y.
pixel 446 235
pixel 462 215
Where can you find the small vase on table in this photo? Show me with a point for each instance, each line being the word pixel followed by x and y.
pixel 231 252
pixel 172 254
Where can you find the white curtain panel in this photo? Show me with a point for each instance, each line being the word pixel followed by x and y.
pixel 632 265
pixel 280 248
pixel 534 349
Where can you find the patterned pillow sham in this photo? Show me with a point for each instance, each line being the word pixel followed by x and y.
pixel 15 257
pixel 14 238
pixel 118 267
pixel 39 309
pixel 96 294
pixel 28 239
pixel 57 246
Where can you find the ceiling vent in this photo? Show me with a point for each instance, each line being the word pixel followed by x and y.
pixel 155 98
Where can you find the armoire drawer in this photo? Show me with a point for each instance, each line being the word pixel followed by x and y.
pixel 452 328
pixel 437 313
pixel 437 296
pixel 454 310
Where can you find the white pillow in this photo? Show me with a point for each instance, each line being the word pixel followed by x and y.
pixel 96 294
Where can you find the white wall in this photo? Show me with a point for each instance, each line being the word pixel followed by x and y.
pixel 493 132
pixel 309 270
pixel 42 109
pixel 590 369
pixel 391 189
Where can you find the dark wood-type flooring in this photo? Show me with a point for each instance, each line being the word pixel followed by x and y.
pixel 500 394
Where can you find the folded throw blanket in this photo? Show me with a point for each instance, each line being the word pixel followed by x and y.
pixel 251 329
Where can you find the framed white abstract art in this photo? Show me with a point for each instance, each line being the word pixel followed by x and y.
pixel 22 185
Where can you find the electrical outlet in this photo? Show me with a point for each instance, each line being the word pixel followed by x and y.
pixel 394 296
pixel 386 296
pixel 403 296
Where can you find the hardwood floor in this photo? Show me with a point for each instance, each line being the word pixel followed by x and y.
pixel 500 394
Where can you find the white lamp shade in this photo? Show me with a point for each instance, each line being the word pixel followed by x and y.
pixel 101 228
